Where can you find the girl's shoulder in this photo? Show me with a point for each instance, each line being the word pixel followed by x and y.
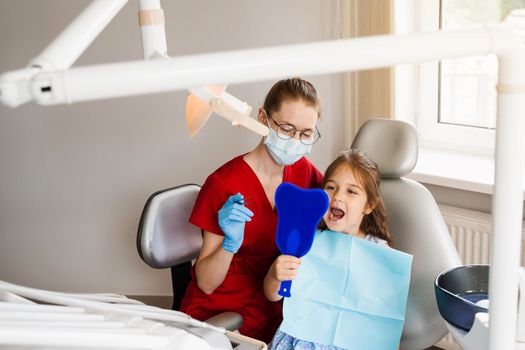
pixel 376 240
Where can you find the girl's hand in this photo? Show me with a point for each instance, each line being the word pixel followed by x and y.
pixel 284 268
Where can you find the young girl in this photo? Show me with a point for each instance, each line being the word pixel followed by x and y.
pixel 356 208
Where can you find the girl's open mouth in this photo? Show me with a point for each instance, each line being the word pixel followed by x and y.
pixel 336 213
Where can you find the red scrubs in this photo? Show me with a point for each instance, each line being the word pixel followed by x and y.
pixel 242 289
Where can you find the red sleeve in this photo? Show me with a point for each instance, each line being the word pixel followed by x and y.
pixel 317 178
pixel 210 199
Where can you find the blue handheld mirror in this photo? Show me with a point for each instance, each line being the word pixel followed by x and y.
pixel 299 212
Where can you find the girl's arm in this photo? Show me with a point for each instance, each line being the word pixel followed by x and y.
pixel 212 264
pixel 283 268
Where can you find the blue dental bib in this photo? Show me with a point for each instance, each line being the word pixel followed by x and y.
pixel 350 293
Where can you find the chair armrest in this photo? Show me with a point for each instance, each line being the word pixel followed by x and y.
pixel 232 321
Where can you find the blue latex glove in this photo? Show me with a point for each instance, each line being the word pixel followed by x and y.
pixel 232 218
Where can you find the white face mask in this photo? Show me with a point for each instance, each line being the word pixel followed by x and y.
pixel 285 152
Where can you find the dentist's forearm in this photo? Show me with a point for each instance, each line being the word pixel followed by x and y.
pixel 212 270
pixel 213 263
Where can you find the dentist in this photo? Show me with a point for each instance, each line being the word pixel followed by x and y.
pixel 236 211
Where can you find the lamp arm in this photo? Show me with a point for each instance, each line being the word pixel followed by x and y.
pixel 237 118
pixel 162 75
pixel 151 21
pixel 64 50
pixel 61 53
pixel 15 86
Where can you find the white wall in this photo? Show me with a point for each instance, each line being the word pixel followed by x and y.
pixel 74 179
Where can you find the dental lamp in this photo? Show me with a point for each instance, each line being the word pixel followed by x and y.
pixel 49 80
pixel 203 101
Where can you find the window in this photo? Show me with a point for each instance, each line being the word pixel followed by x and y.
pixel 455 99
pixel 467 86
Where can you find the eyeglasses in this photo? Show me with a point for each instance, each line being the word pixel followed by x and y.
pixel 287 131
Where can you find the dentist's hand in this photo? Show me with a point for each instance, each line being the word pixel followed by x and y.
pixel 232 218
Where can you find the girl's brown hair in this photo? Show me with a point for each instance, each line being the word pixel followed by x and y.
pixel 366 172
pixel 291 89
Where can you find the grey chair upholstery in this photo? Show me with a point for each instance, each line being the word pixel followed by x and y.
pixel 415 222
pixel 165 236
pixel 166 239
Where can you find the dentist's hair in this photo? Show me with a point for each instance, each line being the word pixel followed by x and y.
pixel 291 89
pixel 366 172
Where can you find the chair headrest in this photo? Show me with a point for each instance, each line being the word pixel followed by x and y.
pixel 392 144
pixel 165 237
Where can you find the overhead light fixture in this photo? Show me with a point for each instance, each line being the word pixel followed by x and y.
pixel 49 79
pixel 203 101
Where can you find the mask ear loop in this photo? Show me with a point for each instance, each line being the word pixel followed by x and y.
pixel 267 118
pixel 267 123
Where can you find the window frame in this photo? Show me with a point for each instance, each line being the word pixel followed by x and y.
pixel 433 134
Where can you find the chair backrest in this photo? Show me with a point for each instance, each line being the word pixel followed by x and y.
pixel 165 237
pixel 415 222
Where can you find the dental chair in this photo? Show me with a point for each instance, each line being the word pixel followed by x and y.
pixel 166 239
pixel 415 223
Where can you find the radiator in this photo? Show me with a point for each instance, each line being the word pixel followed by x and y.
pixel 470 230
